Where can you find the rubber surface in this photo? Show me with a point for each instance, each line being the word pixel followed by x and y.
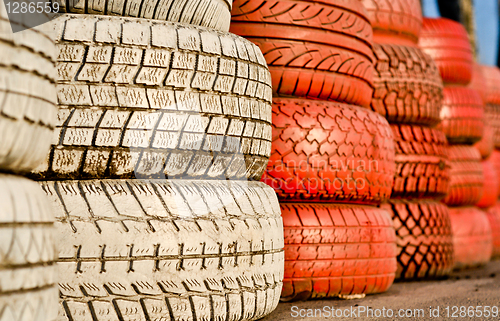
pixel 487 143
pixel 318 50
pixel 325 151
pixel 467 176
pixel 395 21
pixel 495 160
pixel 424 238
pixel 335 249
pixel 422 165
pixel 492 76
pixel 123 114
pixel 491 187
pixel 27 252
pixel 472 238
pixel 447 42
pixel 407 85
pixel 493 214
pixel 492 114
pixel 214 14
pixel 183 250
pixel 478 81
pixel 27 96
pixel 462 115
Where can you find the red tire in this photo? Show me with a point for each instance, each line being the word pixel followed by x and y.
pixel 478 82
pixel 490 185
pixel 318 50
pixel 395 21
pixel 462 115
pixel 492 114
pixel 334 249
pixel 472 238
pixel 407 85
pixel 447 42
pixel 487 143
pixel 493 214
pixel 495 160
pixel 424 238
pixel 325 151
pixel 467 177
pixel 492 76
pixel 422 166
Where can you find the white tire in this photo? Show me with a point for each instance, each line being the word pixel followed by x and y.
pixel 215 14
pixel 27 96
pixel 27 252
pixel 167 249
pixel 140 98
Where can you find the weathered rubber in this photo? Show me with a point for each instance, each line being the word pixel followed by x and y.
pixel 195 104
pixel 334 249
pixel 424 238
pixel 493 214
pixel 492 76
pixel 395 21
pixel 27 95
pixel 422 165
pixel 478 81
pixel 28 252
pixel 491 187
pixel 462 115
pixel 214 14
pixel 407 85
pixel 181 250
pixel 467 176
pixel 326 151
pixel 447 42
pixel 472 238
pixel 492 114
pixel 319 50
pixel 487 143
pixel 495 160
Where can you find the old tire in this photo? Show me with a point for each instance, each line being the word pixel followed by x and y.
pixel 326 151
pixel 495 160
pixel 319 50
pixel 424 238
pixel 487 143
pixel 492 76
pixel 493 214
pixel 492 115
pixel 185 250
pixel 490 185
pixel 214 14
pixel 395 22
pixel 407 85
pixel 28 252
pixel 334 249
pixel 472 240
pixel 207 115
pixel 27 96
pixel 478 82
pixel 467 177
pixel 462 115
pixel 422 165
pixel 447 42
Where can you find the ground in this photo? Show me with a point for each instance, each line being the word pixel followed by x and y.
pixel 469 288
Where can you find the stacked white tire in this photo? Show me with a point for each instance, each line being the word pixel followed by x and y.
pixel 28 255
pixel 163 131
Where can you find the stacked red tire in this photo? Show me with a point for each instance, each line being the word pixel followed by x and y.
pixel 408 91
pixel 332 160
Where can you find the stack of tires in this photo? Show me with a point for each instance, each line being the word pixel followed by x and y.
pixel 162 136
pixel 462 120
pixel 408 91
pixel 489 147
pixel 28 253
pixel 332 160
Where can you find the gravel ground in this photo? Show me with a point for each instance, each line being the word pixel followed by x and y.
pixel 469 288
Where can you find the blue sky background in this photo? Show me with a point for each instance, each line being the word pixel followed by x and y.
pixel 486 12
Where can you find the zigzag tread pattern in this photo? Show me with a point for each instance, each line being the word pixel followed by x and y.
pixel 424 238
pixel 214 14
pixel 422 165
pixel 324 151
pixel 407 85
pixel 190 250
pixel 472 240
pixel 335 249
pixel 467 176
